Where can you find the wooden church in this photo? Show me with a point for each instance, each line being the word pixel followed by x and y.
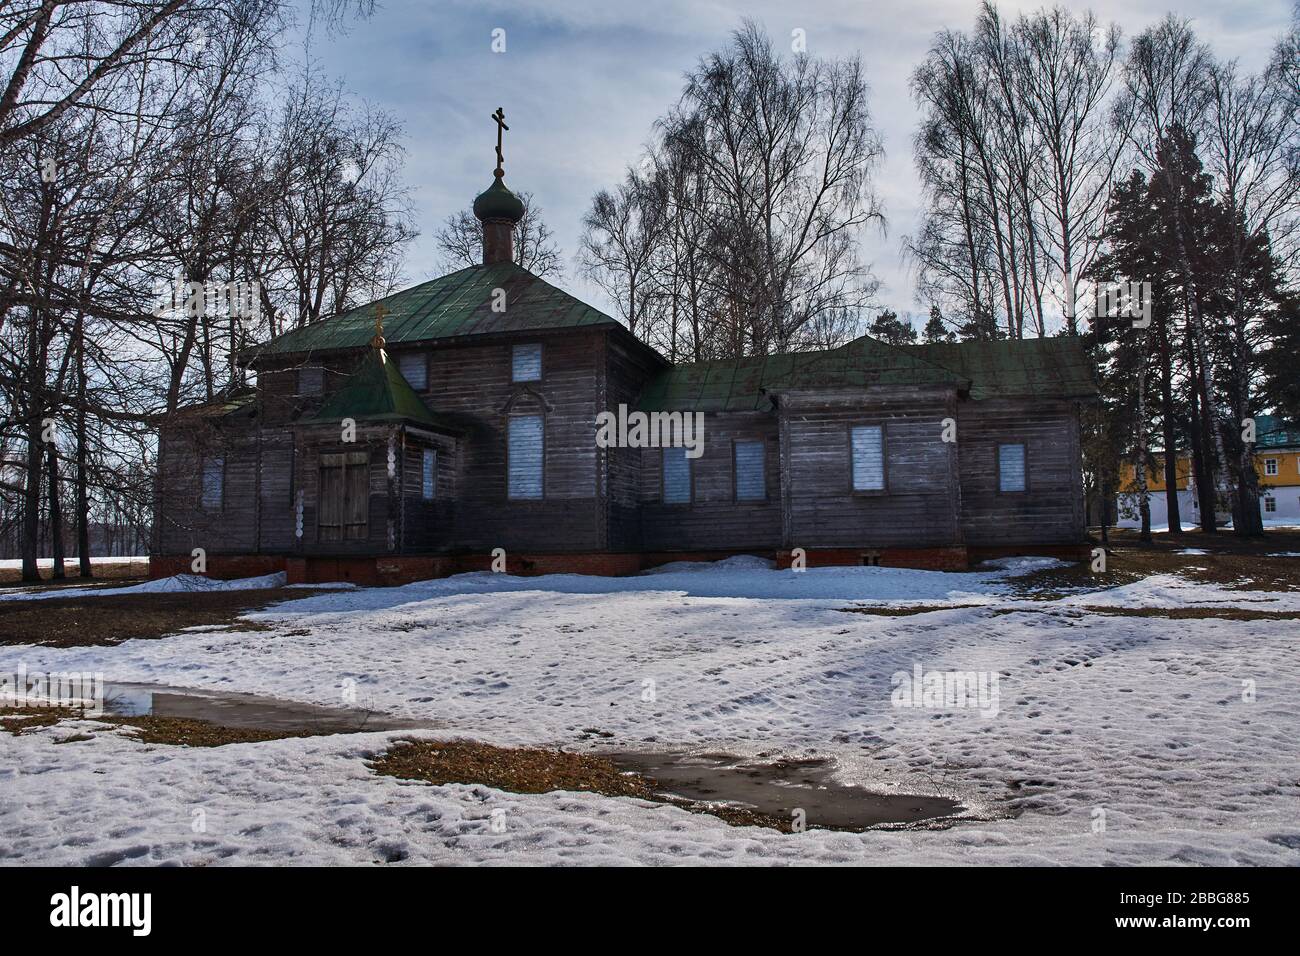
pixel 456 422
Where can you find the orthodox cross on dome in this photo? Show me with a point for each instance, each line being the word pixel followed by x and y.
pixel 380 312
pixel 500 117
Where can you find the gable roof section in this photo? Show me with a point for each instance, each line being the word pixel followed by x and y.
pixel 742 385
pixel 1030 368
pixel 453 305
pixel 1045 368
pixel 378 392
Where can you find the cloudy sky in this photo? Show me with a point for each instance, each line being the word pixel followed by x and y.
pixel 582 81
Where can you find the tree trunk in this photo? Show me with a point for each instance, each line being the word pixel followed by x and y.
pixel 1170 430
pixel 83 478
pixel 56 512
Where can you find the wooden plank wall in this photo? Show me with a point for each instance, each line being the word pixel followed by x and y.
pixel 277 490
pixel 919 506
pixel 185 524
pixel 626 375
pixel 1051 510
pixel 714 519
pixel 428 526
pixel 472 383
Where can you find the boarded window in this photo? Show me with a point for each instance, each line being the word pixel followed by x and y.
pixel 1011 467
pixel 429 474
pixel 311 380
pixel 526 365
pixel 214 483
pixel 868 444
pixel 751 482
pixel 525 452
pixel 344 509
pixel 677 477
pixel 415 369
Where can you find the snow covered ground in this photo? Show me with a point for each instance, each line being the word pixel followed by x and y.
pixel 1116 739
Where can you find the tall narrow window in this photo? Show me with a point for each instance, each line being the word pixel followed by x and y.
pixel 1011 467
pixel 751 482
pixel 214 483
pixel 526 363
pixel 429 474
pixel 414 367
pixel 311 380
pixel 343 510
pixel 526 453
pixel 868 448
pixel 677 477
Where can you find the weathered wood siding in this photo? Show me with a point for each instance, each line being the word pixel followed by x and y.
pixel 472 383
pixel 428 526
pixel 185 523
pixel 918 507
pixel 1050 510
pixel 277 490
pixel 627 371
pixel 714 519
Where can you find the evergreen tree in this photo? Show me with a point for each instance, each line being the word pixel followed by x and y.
pixel 888 327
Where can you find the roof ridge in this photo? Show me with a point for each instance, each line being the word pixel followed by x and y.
pixel 454 305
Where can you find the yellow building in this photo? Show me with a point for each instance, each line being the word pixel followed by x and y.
pixel 1277 462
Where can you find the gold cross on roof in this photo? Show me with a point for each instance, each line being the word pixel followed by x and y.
pixel 500 117
pixel 380 312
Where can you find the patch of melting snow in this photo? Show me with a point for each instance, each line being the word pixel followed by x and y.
pixel 179 583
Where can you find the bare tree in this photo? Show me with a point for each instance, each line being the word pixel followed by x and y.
pixel 763 168
pixel 1017 153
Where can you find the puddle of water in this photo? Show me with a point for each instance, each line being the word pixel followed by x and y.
pixel 247 711
pixel 778 789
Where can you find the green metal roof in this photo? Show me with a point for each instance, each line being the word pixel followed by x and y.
pixel 456 304
pixel 378 392
pixel 1042 368
pixel 1273 432
pixel 1029 367
pixel 735 385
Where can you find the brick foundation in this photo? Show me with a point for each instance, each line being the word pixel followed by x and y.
pixel 931 559
pixel 372 570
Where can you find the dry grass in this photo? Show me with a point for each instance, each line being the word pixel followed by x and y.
pixel 906 611
pixel 1196 613
pixel 531 770
pixel 1239 564
pixel 184 732
pixel 107 620
pixel 125 570
pixel 149 729
pixel 18 720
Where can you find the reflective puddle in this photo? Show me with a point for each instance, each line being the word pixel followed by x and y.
pixel 781 788
pixel 247 711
